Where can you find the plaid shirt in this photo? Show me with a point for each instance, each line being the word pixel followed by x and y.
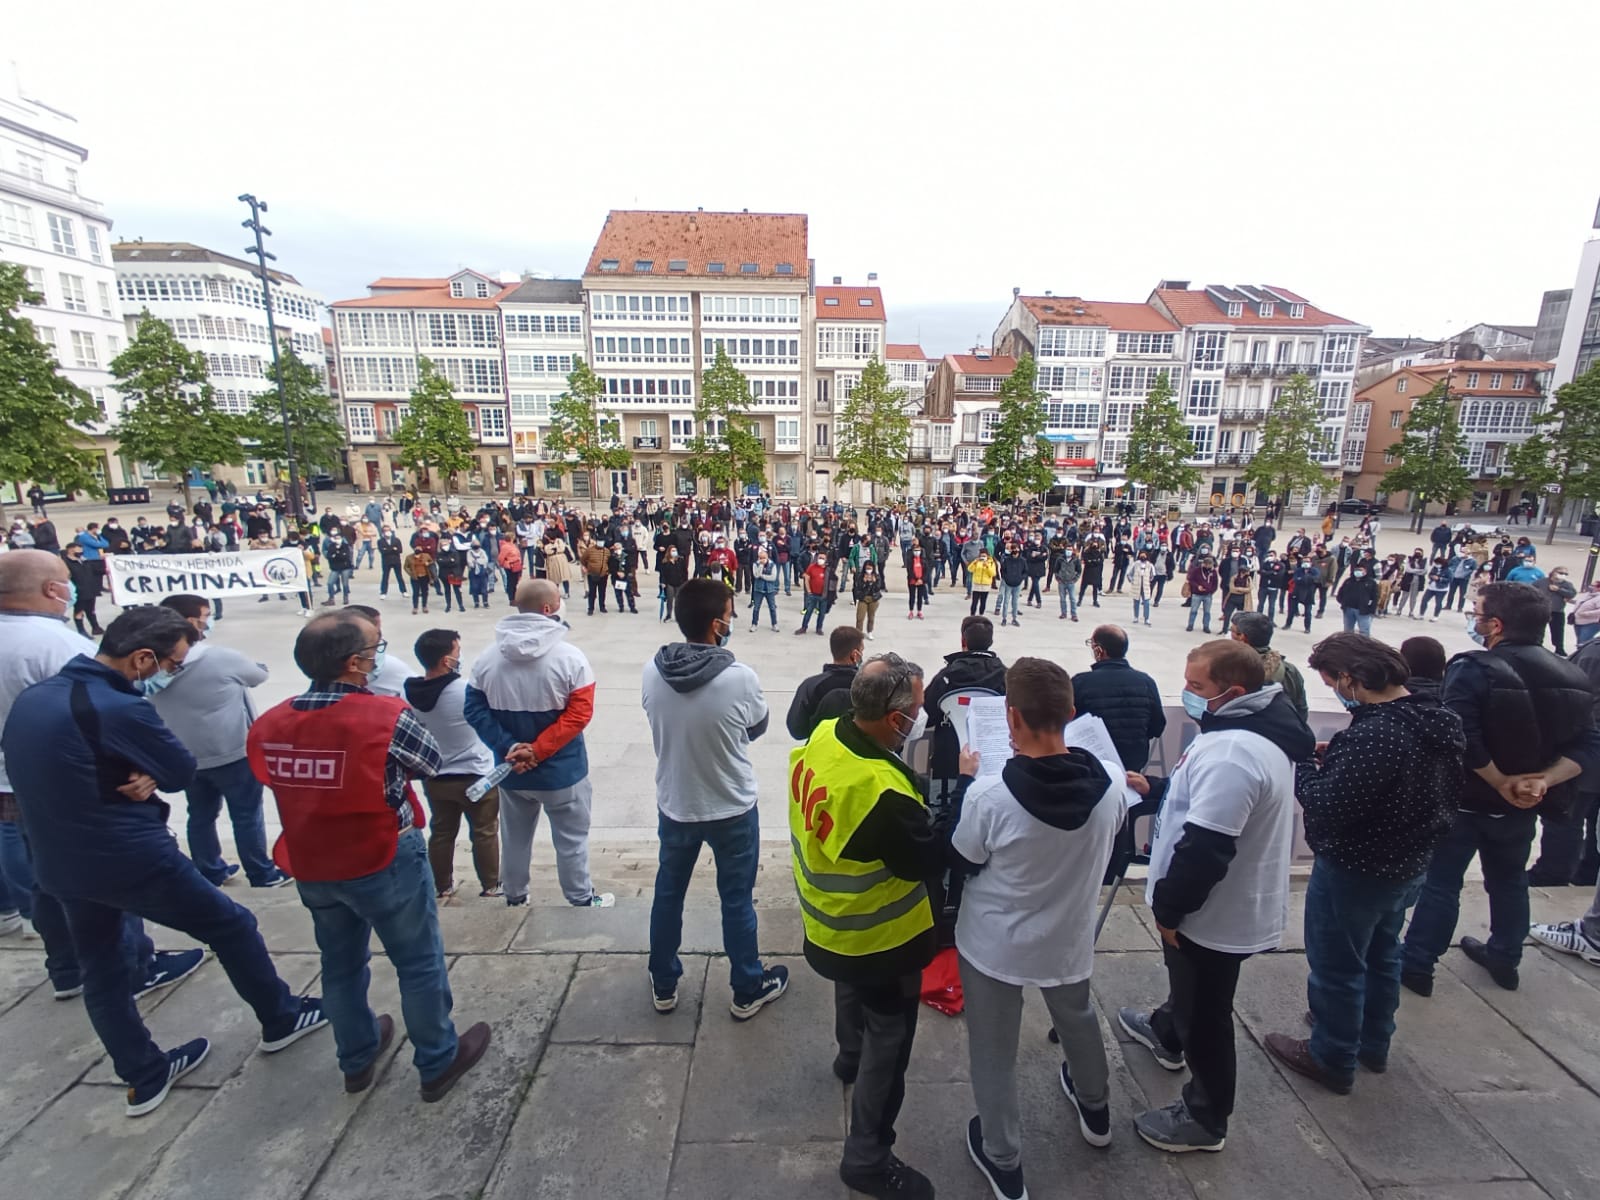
pixel 412 750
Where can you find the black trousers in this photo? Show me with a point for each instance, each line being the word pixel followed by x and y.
pixel 1197 1020
pixel 597 591
pixel 875 1025
pixel 400 580
pixel 980 601
pixel 1567 842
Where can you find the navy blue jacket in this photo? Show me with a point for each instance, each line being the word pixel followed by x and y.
pixel 70 742
pixel 1129 704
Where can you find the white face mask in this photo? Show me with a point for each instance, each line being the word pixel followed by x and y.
pixel 918 728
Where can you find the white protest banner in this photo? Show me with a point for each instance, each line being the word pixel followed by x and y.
pixel 150 578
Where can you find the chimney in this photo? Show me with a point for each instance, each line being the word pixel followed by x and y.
pixel 872 277
pixel 837 280
pixel 1015 292
pixel 1048 292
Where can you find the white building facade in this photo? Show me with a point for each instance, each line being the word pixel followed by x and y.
pixel 213 304
pixel 849 332
pixel 545 334
pixel 62 240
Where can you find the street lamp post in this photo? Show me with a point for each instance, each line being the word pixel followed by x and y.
pixel 261 254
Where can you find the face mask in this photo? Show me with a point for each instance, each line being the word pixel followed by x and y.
pixel 918 728
pixel 1472 632
pixel 1348 701
pixel 149 687
pixel 1358 574
pixel 1195 706
pixel 726 635
pixel 72 598
pixel 377 664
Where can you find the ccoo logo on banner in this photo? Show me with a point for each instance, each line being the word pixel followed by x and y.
pixel 149 578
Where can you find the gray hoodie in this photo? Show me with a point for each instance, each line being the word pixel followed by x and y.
pixel 705 708
pixel 207 704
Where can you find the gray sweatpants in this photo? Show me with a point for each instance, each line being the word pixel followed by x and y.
pixel 994 1021
pixel 568 809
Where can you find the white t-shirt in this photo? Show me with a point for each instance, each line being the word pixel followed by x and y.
pixel 1241 785
pixel 1028 917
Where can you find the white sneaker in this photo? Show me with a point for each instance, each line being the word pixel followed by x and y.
pixel 871 638
pixel 600 900
pixel 10 922
pixel 1569 938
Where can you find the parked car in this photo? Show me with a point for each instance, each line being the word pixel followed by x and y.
pixel 1477 529
pixel 1360 507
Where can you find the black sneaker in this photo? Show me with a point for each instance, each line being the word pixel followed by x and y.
pixel 309 1019
pixel 774 981
pixel 1093 1123
pixel 895 1181
pixel 1136 1024
pixel 1420 982
pixel 1006 1185
pixel 179 1063
pixel 167 968
pixel 1502 973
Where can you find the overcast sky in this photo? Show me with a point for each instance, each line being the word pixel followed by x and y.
pixel 1414 166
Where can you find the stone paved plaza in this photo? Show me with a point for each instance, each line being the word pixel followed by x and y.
pixel 586 1092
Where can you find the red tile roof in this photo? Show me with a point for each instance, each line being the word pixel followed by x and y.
pixel 1195 307
pixel 849 306
pixel 1065 310
pixel 904 350
pixel 435 295
pixel 400 283
pixel 699 239
pixel 971 364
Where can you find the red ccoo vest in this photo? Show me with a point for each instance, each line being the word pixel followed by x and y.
pixel 326 768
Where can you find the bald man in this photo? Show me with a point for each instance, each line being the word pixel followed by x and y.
pixel 529 697
pixel 36 598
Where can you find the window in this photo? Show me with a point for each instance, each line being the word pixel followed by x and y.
pixel 988 424
pixel 1395 419
pixel 943 435
pixel 864 302
pixel 1333 397
pixel 1204 439
pixel 1070 379
pixel 1495 381
pixel 359 417
pixel 784 269
pixel 1205 396
pixel 1297 311
pixel 1056 341
pixel 16 224
pixel 787 430
pixel 103 289
pixel 493 423
pixel 855 342
pixel 1268 310
pixel 1144 343
pixel 609 264
pixel 99 396
pixel 1059 415
pixel 1388 458
pixel 61 239
pixel 458 289
pixel 830 301
pixel 1360 416
pixel 749 310
pixel 1472 379
pixel 1400 384
pixel 30 166
pixel 1208 350
pixel 822 435
pixel 92 236
pixel 643 266
pixel 1339 352
pixel 1235 308
pixel 552 479
pixel 483 290
pixel 716 268
pixel 35 278
pixel 47 335
pixel 822 392
pixel 748 268
pixel 678 264
pixel 83 351
pixel 72 297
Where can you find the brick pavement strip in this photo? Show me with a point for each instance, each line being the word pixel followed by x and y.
pixel 587 1092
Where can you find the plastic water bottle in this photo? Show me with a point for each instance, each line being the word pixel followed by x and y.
pixel 488 783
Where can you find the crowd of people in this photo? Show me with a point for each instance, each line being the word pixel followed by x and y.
pixel 376 764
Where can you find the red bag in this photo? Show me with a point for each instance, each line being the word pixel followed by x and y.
pixel 941 984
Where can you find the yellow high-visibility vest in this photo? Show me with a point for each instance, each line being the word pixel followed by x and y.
pixel 847 907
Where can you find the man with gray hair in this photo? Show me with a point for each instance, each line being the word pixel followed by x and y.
pixel 864 849
pixel 1255 630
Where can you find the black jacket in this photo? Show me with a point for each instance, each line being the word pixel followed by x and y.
pixel 963 669
pixel 1129 704
pixel 1521 708
pixel 824 695
pixel 1387 788
pixel 1359 594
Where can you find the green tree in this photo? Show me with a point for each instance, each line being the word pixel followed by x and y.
pixel 1159 446
pixel 41 410
pixel 169 419
pixel 580 431
pixel 1020 459
pixel 435 434
pixel 1290 441
pixel 874 432
pixel 1429 454
pixel 734 455
pixel 314 428
pixel 1562 458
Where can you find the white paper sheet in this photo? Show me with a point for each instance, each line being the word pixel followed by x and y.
pixel 988 735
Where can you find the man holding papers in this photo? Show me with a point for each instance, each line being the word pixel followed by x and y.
pixel 1039 833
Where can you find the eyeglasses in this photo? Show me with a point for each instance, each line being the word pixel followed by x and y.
pixel 378 648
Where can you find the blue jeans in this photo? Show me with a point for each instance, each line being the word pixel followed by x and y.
pixel 814 604
pixel 1068 595
pixel 1267 601
pixel 783 575
pixel 1502 845
pixel 1143 604
pixel 735 843
pixel 1010 593
pixel 339 581
pixel 755 608
pixel 1202 604
pixel 367 550
pixel 398 904
pixel 235 784
pixel 1354 620
pixel 1353 925
pixel 173 893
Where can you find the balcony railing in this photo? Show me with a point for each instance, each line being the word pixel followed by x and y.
pixel 1233 458
pixel 1249 413
pixel 647 443
pixel 920 454
pixel 1272 370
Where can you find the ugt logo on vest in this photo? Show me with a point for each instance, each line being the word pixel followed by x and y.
pixel 293 767
pixel 807 797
